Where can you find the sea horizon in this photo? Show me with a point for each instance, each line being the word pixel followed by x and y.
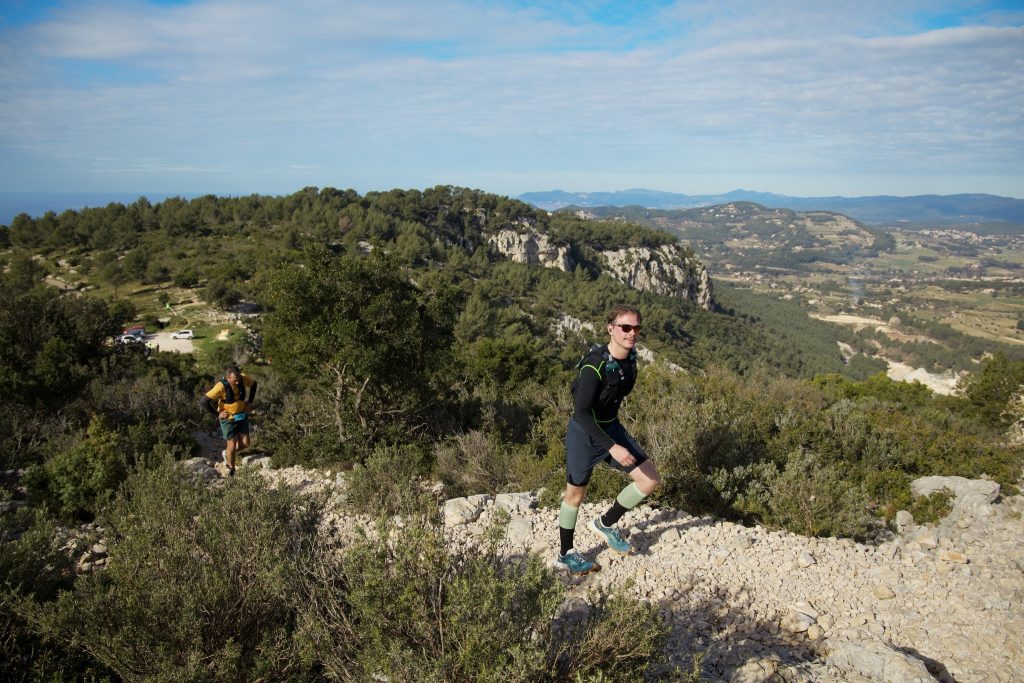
pixel 35 204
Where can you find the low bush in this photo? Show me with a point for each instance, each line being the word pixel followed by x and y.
pixel 391 482
pixel 931 508
pixel 473 462
pixel 76 482
pixel 200 583
pixel 620 640
pixel 34 568
pixel 826 457
pixel 814 498
pixel 402 606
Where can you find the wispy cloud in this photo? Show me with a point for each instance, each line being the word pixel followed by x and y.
pixel 352 93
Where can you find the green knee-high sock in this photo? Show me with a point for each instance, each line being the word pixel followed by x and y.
pixel 627 499
pixel 567 526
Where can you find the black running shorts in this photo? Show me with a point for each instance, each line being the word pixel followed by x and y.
pixel 582 455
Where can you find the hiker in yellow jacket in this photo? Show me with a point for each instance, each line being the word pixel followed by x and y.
pixel 231 400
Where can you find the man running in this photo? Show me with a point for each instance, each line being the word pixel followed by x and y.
pixel 230 400
pixel 606 376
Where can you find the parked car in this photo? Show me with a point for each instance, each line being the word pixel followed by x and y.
pixel 136 331
pixel 129 339
pixel 182 334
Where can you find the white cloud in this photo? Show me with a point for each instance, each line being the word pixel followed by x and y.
pixel 745 87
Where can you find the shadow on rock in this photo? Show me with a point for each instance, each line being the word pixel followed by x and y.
pixel 656 529
pixel 735 644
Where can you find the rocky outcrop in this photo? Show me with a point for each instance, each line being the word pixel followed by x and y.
pixel 665 270
pixel 969 495
pixel 938 602
pixel 876 661
pixel 532 249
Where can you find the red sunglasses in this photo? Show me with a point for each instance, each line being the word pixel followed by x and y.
pixel 627 328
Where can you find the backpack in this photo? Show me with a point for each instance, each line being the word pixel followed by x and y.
pixel 229 392
pixel 608 362
pixel 583 361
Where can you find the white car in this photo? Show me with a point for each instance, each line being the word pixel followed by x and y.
pixel 129 339
pixel 182 334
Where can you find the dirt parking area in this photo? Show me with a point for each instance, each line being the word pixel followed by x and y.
pixel 162 341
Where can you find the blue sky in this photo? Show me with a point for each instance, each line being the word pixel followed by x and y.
pixel 811 98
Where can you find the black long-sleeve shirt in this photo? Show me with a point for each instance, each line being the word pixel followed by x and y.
pixel 602 384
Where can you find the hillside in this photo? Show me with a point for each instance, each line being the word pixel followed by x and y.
pixel 934 602
pixel 935 299
pixel 418 347
pixel 882 210
pixel 220 250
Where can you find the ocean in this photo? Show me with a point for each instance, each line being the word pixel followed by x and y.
pixel 35 204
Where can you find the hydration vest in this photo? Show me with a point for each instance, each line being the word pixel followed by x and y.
pixel 229 391
pixel 608 362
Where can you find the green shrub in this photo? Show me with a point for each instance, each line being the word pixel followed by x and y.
pixel 402 606
pixel 475 462
pixel 33 569
pixel 200 585
pixel 77 482
pixel 302 432
pixel 931 508
pixel 391 482
pixel 813 498
pixel 620 640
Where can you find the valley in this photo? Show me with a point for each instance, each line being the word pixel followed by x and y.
pixel 935 298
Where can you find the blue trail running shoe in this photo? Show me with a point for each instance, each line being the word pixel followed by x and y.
pixel 574 563
pixel 611 536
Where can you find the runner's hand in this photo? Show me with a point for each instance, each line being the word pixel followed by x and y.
pixel 622 455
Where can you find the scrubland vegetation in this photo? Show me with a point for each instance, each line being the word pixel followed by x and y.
pixel 394 346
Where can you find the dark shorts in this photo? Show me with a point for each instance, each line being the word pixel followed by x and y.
pixel 582 455
pixel 232 428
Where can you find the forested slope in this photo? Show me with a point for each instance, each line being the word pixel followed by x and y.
pixel 405 352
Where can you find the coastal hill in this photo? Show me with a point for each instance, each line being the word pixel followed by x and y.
pixel 958 208
pixel 414 351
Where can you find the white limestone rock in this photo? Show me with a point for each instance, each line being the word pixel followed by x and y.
pixel 199 468
pixel 520 531
pixel 804 559
pixel 261 461
pixel 876 661
pixel 904 521
pixel 533 249
pixel 795 622
pixel 459 511
pixel 515 503
pixel 971 495
pixel 669 536
pixel 663 270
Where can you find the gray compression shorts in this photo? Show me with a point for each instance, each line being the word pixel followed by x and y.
pixel 582 455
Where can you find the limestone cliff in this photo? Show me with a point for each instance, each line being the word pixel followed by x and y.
pixel 663 270
pixel 666 269
pixel 532 249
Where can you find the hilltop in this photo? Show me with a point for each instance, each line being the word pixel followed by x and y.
pixel 881 209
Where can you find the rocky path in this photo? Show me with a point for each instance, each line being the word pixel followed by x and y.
pixel 942 602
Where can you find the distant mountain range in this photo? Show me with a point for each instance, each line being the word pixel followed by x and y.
pixel 955 208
